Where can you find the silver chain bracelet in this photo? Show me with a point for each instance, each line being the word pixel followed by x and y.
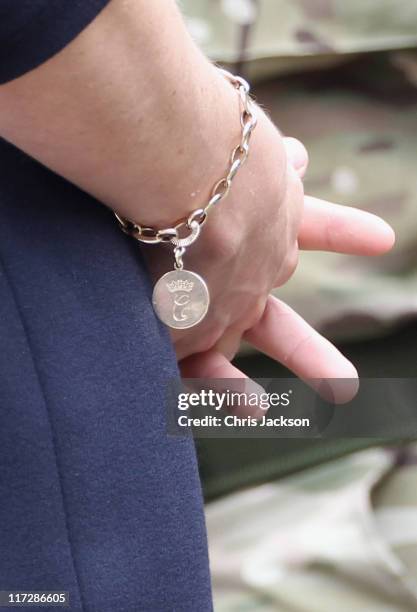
pixel 180 297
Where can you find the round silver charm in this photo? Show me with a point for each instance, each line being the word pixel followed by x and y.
pixel 181 299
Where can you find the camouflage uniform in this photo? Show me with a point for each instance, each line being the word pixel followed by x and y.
pixel 341 535
pixel 358 121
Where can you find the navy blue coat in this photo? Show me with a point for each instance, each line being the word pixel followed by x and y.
pixel 95 498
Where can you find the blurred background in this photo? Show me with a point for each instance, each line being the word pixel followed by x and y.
pixel 308 525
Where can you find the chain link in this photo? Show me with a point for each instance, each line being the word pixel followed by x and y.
pixel 193 223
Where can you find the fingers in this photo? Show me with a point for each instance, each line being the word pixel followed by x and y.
pixel 211 364
pixel 210 368
pixel 286 337
pixel 297 155
pixel 342 229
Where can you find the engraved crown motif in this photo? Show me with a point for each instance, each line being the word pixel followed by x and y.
pixel 180 285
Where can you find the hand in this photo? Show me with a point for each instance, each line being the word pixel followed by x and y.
pixel 112 113
pixel 251 248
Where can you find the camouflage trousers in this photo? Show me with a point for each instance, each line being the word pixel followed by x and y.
pixel 339 536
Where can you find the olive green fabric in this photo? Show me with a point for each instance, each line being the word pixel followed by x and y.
pixel 342 536
pixel 356 111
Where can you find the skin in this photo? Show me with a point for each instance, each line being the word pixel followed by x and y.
pixel 132 106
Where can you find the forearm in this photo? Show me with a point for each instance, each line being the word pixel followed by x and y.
pixel 130 111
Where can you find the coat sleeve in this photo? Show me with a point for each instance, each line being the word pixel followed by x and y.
pixel 32 31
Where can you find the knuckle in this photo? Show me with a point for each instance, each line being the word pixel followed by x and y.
pixel 256 314
pixel 289 266
pixel 297 154
pixel 292 262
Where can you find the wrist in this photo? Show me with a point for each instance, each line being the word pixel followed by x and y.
pixel 180 296
pixel 187 148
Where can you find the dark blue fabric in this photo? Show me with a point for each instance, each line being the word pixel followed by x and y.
pixel 31 31
pixel 95 498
